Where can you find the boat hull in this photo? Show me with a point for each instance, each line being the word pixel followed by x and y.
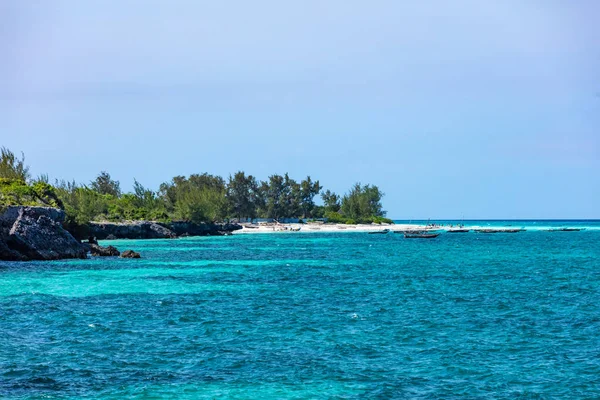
pixel 421 236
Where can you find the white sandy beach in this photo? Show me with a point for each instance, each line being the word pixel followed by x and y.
pixel 319 227
pixel 312 227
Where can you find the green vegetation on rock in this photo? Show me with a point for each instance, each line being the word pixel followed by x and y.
pixel 198 198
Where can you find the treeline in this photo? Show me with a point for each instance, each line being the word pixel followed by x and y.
pixel 197 198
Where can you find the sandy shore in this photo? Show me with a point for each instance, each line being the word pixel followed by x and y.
pixel 312 227
pixel 308 227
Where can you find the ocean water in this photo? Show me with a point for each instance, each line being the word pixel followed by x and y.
pixel 529 224
pixel 310 315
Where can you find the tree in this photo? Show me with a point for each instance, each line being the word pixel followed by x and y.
pixel 331 201
pixel 308 191
pixel 11 167
pixel 241 195
pixel 362 203
pixel 291 199
pixel 199 198
pixel 261 199
pixel 274 196
pixel 105 185
pixel 147 203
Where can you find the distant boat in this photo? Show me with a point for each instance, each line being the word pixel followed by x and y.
pixel 566 229
pixel 459 230
pixel 499 230
pixel 421 235
pixel 383 232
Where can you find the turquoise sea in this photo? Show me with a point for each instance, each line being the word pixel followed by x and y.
pixel 311 315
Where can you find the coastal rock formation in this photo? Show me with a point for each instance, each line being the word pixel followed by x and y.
pixel 99 251
pixel 8 254
pixel 36 233
pixel 182 228
pixel 155 230
pixel 130 230
pixel 130 254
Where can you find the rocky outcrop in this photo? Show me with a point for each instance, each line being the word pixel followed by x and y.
pixel 36 233
pixel 155 230
pixel 8 254
pixel 182 228
pixel 130 254
pixel 100 251
pixel 130 230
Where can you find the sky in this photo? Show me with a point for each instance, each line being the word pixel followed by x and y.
pixel 470 108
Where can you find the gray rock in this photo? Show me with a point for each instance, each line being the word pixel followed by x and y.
pixel 130 230
pixel 37 234
pixel 156 230
pixel 8 254
pixel 100 251
pixel 130 254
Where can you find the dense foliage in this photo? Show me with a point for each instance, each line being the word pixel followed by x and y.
pixel 11 167
pixel 197 198
pixel 16 191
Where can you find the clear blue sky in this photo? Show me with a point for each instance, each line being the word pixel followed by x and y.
pixel 487 109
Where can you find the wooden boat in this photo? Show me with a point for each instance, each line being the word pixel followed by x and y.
pixel 421 235
pixel 499 230
pixel 383 232
pixel 459 230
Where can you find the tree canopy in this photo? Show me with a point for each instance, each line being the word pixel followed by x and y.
pixel 11 167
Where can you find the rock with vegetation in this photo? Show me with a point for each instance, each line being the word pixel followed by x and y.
pixel 130 254
pixel 36 233
pixel 203 201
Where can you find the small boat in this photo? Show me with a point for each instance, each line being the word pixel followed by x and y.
pixel 460 228
pixel 296 229
pixel 566 229
pixel 421 235
pixel 499 230
pixel 251 226
pixel 383 232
